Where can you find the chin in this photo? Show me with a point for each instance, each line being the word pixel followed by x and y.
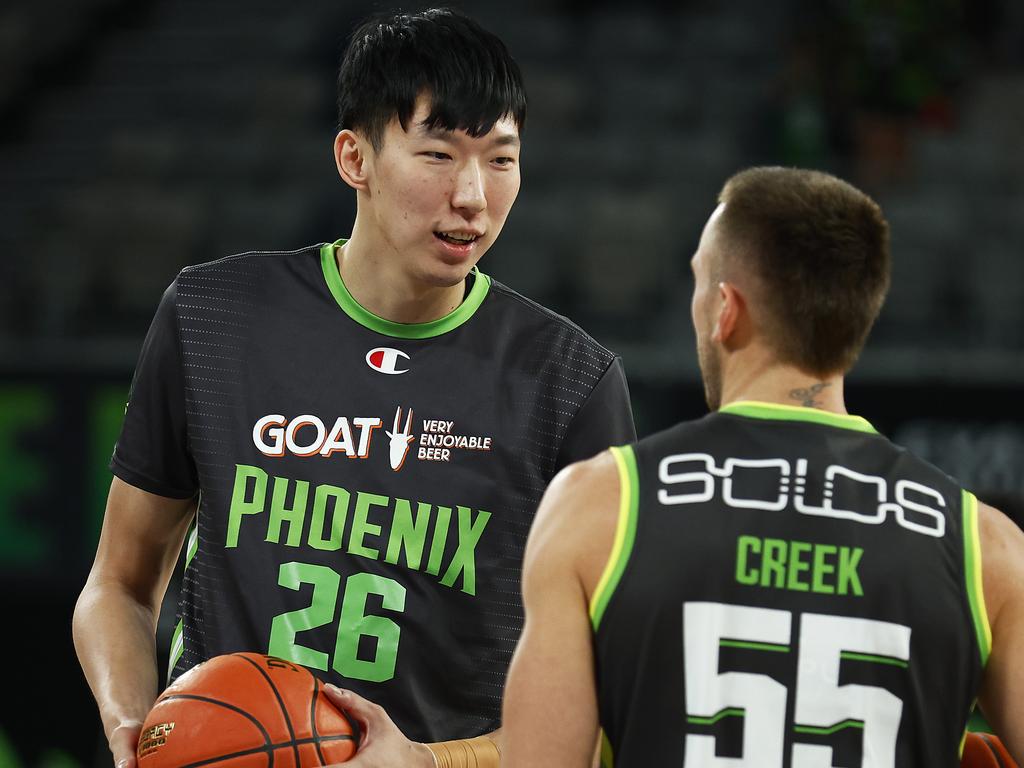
pixel 445 272
pixel 442 275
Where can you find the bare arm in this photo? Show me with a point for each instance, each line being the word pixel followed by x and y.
pixel 115 619
pixel 1002 690
pixel 550 716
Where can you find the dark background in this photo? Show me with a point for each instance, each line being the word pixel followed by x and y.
pixel 138 137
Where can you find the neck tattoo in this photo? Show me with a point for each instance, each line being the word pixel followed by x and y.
pixel 808 395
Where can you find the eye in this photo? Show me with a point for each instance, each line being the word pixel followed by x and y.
pixel 504 161
pixel 437 155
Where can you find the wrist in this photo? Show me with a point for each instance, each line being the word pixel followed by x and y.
pixel 478 752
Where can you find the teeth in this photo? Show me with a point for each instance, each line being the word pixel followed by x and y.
pixel 460 237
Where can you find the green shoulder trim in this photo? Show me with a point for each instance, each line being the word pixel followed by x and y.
pixel 607 758
pixel 625 533
pixel 758 410
pixel 972 572
pixel 366 318
pixel 177 646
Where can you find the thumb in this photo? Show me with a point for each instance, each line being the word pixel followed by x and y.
pixel 366 712
pixel 123 741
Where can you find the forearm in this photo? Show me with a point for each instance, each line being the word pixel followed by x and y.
pixel 114 636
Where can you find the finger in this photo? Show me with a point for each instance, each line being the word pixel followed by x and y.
pixel 123 741
pixel 342 698
pixel 362 709
pixel 124 754
pixel 123 751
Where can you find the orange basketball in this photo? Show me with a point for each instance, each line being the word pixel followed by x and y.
pixel 984 750
pixel 245 710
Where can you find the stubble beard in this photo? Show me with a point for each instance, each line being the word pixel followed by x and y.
pixel 710 374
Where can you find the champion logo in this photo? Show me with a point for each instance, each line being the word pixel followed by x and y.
pixel 386 360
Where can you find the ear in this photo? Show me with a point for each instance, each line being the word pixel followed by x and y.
pixel 731 309
pixel 350 156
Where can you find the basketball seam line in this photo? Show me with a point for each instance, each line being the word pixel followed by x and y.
pixel 268 750
pixel 280 701
pixel 239 710
pixel 312 720
pixel 993 750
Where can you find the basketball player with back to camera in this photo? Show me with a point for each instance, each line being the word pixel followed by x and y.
pixel 775 584
pixel 351 439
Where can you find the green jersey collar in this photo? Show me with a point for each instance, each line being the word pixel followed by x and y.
pixel 366 318
pixel 758 410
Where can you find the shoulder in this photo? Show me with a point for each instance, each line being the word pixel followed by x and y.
pixel 240 280
pixel 558 331
pixel 577 518
pixel 246 260
pixel 595 480
pixel 1002 558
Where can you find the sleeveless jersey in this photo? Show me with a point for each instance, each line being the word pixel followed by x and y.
pixel 366 487
pixel 787 588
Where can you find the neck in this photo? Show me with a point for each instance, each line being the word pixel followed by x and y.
pixel 772 382
pixel 373 274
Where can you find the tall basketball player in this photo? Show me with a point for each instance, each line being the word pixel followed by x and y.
pixel 366 425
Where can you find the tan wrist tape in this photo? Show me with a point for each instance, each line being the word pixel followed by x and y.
pixel 479 752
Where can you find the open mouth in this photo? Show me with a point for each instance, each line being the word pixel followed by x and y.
pixel 457 238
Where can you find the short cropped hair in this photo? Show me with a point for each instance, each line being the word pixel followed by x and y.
pixel 467 73
pixel 820 247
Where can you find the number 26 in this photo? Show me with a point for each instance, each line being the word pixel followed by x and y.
pixel 352 624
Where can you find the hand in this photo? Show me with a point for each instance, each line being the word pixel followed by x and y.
pixel 382 745
pixel 123 741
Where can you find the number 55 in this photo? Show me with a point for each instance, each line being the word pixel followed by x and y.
pixel 822 705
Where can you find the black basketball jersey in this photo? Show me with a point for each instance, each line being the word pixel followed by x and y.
pixel 366 487
pixel 787 588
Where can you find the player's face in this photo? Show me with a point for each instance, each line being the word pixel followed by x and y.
pixel 702 309
pixel 440 198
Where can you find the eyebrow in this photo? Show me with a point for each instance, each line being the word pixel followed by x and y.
pixel 444 134
pixel 507 140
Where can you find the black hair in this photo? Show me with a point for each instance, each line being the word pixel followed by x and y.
pixel 466 72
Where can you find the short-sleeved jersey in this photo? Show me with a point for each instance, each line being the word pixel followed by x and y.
pixel 365 487
pixel 788 588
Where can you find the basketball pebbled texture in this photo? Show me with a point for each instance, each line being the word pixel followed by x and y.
pixel 245 710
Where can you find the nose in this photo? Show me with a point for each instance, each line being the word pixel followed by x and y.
pixel 469 195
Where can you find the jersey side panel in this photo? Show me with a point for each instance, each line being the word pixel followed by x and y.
pixel 547 370
pixel 216 310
